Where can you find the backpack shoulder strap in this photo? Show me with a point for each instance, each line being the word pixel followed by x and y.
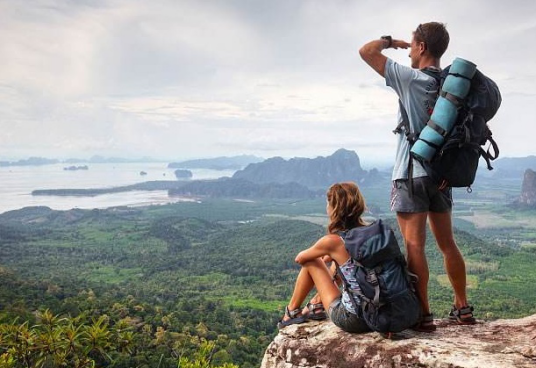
pixel 412 136
pixel 433 72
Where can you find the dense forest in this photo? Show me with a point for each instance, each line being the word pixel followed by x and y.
pixel 188 283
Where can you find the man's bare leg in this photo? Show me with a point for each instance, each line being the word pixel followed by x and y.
pixel 413 229
pixel 441 226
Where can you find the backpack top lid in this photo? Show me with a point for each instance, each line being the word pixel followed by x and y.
pixel 372 244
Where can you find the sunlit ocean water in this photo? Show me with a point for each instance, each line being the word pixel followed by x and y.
pixel 18 182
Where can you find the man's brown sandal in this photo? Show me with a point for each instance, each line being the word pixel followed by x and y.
pixel 463 315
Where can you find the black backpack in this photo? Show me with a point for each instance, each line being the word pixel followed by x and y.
pixel 388 302
pixel 456 161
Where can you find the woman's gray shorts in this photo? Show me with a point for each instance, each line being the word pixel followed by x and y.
pixel 345 320
pixel 426 196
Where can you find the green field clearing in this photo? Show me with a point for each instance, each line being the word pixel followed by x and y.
pixel 111 275
pixel 488 219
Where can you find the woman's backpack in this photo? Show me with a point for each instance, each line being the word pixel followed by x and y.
pixel 388 302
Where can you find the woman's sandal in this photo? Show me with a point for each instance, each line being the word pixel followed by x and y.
pixel 295 316
pixel 315 312
pixel 463 315
pixel 425 324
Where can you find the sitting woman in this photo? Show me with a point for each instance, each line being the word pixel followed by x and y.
pixel 345 205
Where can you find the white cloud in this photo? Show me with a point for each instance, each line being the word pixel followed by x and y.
pixel 202 78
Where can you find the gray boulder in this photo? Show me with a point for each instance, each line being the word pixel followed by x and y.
pixel 501 343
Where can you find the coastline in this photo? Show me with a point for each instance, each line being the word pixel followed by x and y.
pixel 101 186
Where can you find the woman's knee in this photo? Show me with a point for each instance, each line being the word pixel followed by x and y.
pixel 317 262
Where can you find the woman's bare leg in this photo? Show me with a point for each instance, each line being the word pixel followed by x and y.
pixel 335 279
pixel 313 274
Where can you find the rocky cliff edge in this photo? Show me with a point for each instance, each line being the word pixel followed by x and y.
pixel 501 343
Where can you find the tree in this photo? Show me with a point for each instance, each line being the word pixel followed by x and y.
pixel 203 358
pixel 61 342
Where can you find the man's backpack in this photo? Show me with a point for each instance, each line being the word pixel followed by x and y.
pixel 455 163
pixel 388 302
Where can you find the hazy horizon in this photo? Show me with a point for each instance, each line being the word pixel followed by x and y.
pixel 368 164
pixel 364 161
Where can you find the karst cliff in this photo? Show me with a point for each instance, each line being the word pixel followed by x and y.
pixel 500 343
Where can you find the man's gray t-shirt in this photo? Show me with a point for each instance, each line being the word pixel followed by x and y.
pixel 417 92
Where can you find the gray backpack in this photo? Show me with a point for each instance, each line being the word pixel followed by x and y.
pixel 388 302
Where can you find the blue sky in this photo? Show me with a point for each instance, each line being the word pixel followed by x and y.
pixel 189 79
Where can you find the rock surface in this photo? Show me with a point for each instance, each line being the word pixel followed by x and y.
pixel 320 172
pixel 528 189
pixel 183 174
pixel 501 343
pixel 217 163
pixel 241 188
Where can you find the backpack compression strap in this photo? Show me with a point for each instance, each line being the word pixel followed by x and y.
pixel 456 101
pixel 372 278
pixel 487 154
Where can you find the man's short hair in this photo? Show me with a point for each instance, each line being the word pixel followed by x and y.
pixel 435 36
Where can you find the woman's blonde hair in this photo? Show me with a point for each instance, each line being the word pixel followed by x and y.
pixel 347 205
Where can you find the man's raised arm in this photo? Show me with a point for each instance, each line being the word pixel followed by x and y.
pixel 372 52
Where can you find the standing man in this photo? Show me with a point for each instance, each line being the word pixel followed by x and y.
pixel 420 199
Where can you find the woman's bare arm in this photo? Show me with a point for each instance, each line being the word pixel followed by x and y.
pixel 324 246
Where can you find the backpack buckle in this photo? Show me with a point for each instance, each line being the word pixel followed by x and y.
pixel 372 278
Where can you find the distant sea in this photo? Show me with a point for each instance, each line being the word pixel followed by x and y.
pixel 18 182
